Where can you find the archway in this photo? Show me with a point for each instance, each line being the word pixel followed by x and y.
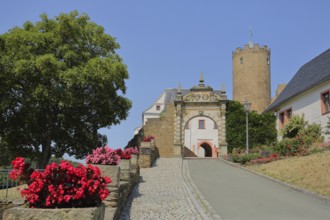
pixel 207 149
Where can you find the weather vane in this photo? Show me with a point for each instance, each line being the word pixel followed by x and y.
pixel 250 32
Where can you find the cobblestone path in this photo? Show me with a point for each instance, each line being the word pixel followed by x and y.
pixel 163 194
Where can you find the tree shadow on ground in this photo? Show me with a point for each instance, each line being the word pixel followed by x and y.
pixel 126 212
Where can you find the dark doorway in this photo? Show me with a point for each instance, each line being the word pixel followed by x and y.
pixel 207 150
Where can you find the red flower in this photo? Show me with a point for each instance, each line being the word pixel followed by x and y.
pixel 64 186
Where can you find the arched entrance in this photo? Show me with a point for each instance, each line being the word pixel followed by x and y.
pixel 207 149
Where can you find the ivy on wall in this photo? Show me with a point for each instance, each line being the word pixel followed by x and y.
pixel 262 129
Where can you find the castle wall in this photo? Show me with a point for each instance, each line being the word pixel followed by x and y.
pixel 163 130
pixel 251 76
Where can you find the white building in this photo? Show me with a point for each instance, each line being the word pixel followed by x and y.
pixel 306 94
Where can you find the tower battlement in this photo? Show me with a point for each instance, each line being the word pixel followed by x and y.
pixel 248 47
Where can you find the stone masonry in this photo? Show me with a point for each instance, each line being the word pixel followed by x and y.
pixel 162 129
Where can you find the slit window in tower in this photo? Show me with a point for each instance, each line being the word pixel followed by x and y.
pixel 241 60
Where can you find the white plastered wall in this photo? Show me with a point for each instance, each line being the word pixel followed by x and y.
pixel 309 105
pixel 194 135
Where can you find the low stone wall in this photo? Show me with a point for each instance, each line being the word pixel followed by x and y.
pixel 120 189
pixel 92 213
pixel 148 155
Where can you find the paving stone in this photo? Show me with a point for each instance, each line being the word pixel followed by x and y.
pixel 161 194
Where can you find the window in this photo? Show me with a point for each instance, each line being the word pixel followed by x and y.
pixel 289 113
pixel 284 117
pixel 158 107
pixel 281 118
pixel 267 60
pixel 241 60
pixel 201 124
pixel 325 102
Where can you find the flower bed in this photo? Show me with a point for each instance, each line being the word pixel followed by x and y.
pixel 61 185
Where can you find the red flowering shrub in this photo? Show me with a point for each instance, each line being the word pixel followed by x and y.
pixel 264 159
pixel 148 138
pixel 63 185
pixel 292 147
pixel 132 150
pixel 22 170
pixel 124 154
pixel 103 155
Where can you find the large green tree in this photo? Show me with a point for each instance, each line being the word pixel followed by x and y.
pixel 262 129
pixel 60 81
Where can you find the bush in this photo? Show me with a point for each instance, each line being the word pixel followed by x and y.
pixel 291 147
pixel 62 185
pixel 245 158
pixel 294 126
pixel 262 129
pixel 103 155
pixel 265 159
pixel 311 133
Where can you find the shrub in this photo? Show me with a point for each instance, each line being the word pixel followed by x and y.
pixel 148 138
pixel 291 147
pixel 124 154
pixel 103 155
pixel 262 160
pixel 262 127
pixel 294 126
pixel 61 185
pixel 311 133
pixel 132 150
pixel 245 158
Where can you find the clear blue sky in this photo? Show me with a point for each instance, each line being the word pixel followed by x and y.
pixel 168 42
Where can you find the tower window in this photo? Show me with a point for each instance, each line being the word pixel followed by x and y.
pixel 241 60
pixel 267 60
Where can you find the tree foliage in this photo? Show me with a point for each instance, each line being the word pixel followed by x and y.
pixel 61 80
pixel 262 128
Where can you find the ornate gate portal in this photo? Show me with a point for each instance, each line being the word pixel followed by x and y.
pixel 200 122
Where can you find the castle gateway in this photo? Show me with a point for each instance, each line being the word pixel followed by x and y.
pixel 190 123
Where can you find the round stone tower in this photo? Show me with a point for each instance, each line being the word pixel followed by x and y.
pixel 251 76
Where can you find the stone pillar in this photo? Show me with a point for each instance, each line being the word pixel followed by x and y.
pixel 177 132
pixel 178 149
pixel 222 140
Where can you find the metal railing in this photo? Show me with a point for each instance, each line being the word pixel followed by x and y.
pixel 8 187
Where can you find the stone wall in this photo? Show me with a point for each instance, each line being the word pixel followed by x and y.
pixel 163 130
pixel 148 155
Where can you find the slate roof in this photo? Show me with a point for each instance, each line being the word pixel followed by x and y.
pixel 309 75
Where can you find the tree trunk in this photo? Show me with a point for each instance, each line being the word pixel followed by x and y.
pixel 44 156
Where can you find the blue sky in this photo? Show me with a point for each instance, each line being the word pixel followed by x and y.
pixel 168 42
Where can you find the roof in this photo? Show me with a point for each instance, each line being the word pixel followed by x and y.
pixel 308 76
